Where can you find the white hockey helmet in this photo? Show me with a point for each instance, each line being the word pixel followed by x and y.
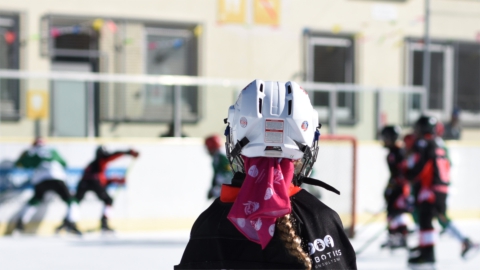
pixel 273 119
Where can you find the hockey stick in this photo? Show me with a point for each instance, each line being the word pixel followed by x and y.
pixel 127 173
pixel 369 241
pixel 371 220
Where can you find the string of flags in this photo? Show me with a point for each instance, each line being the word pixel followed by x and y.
pixel 9 37
pixel 96 25
pixel 381 38
pixel 165 44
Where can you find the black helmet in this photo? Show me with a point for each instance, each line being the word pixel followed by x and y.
pixel 391 133
pixel 101 151
pixel 425 125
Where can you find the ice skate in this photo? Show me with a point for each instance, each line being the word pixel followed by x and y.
pixel 422 258
pixel 69 227
pixel 105 228
pixel 396 240
pixel 469 249
pixel 19 227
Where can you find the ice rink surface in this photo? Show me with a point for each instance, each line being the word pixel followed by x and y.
pixel 161 250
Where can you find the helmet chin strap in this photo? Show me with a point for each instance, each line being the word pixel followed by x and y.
pixel 238 178
pixel 319 183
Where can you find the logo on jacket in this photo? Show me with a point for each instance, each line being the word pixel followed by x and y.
pixel 320 244
pixel 330 255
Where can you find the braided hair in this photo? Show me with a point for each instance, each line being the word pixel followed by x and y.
pixel 292 241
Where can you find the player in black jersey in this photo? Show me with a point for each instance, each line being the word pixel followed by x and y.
pixel 264 220
pixel 397 191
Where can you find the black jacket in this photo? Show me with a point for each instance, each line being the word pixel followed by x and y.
pixel 215 242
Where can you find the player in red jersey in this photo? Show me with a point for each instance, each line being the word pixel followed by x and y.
pixel 94 179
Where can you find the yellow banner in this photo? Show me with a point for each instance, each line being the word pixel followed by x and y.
pixel 232 11
pixel 266 12
pixel 37 104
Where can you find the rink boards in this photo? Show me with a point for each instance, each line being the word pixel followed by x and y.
pixel 166 186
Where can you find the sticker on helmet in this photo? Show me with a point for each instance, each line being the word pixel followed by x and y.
pixel 274 130
pixel 304 126
pixel 243 122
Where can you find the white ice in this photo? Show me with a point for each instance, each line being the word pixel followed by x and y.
pixel 162 250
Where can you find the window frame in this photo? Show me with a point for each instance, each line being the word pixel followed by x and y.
pixel 313 39
pixel 450 91
pixel 16 17
pixel 411 46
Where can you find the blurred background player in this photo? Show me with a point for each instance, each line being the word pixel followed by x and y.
pixel 447 225
pixel 453 130
pixel 222 172
pixel 397 191
pixel 94 179
pixel 429 166
pixel 467 246
pixel 264 219
pixel 48 175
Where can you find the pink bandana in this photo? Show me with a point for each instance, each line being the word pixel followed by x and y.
pixel 263 198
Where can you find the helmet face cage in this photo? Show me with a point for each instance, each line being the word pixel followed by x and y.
pixel 303 166
pixel 307 161
pixel 236 162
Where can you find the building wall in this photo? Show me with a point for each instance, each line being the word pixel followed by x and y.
pixel 248 51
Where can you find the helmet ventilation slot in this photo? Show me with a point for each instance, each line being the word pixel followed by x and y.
pixel 261 87
pixel 260 102
pixel 289 107
pixel 289 89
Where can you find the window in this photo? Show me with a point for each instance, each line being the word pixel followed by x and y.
pixel 170 51
pixel 467 77
pixel 454 80
pixel 158 49
pixel 330 59
pixel 9 59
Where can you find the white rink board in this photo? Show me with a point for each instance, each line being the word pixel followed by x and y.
pixel 171 177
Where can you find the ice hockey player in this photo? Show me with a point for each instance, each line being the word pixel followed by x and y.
pixel 397 191
pixel 429 167
pixel 222 172
pixel 94 179
pixel 48 175
pixel 264 220
pixel 467 246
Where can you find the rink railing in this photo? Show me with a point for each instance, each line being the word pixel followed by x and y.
pixel 181 81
